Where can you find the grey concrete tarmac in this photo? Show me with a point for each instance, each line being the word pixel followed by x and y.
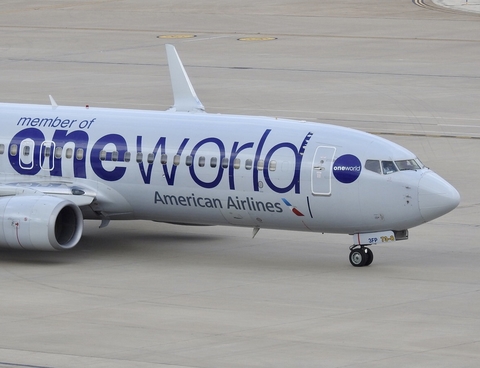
pixel 142 294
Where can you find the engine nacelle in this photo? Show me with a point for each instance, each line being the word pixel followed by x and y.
pixel 39 223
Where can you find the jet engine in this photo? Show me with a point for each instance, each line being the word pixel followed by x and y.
pixel 39 223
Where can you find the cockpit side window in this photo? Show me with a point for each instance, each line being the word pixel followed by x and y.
pixel 388 167
pixel 420 163
pixel 373 165
pixel 407 165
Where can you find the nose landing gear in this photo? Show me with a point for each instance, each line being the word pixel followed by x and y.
pixel 360 256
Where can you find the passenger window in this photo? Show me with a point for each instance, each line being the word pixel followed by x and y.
pixel 248 164
pixel 213 162
pixel 150 158
pixel 273 165
pixel 13 150
pixel 201 161
pixel 2 149
pixel 260 164
pixel 188 160
pixel 236 163
pixel 115 156
pixel 127 156
pixel 103 155
pixel 225 162
pixel 373 165
pixel 58 152
pixel 388 167
pixel 176 160
pixel 79 154
pixel 26 150
pixel 139 157
pixel 163 159
pixel 48 151
pixel 68 153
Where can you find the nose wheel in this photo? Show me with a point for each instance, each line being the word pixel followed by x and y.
pixel 361 256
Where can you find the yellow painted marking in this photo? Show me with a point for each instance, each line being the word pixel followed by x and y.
pixel 257 38
pixel 177 36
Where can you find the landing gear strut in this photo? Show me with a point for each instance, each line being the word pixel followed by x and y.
pixel 360 256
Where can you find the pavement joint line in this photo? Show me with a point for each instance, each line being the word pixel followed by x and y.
pixel 9 364
pixel 426 135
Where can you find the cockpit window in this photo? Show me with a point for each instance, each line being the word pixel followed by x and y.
pixel 407 165
pixel 420 163
pixel 388 167
pixel 373 165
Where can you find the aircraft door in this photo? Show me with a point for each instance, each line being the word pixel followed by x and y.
pixel 322 170
pixel 46 155
pixel 26 154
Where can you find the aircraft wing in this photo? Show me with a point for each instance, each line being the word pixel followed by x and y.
pixel 78 195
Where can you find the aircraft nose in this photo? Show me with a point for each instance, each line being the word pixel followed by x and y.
pixel 436 196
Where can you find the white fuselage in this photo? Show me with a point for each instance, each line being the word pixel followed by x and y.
pixel 214 169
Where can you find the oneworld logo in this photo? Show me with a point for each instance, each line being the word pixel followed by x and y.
pixel 36 141
pixel 347 168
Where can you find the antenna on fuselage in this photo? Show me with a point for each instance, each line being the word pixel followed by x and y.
pixel 184 96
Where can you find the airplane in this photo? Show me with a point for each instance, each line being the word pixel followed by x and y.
pixel 62 165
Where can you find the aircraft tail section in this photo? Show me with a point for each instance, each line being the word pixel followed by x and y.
pixel 184 96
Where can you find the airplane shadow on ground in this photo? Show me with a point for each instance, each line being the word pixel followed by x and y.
pixel 131 242
pixel 101 243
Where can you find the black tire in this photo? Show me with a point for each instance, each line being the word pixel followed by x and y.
pixel 358 257
pixel 369 260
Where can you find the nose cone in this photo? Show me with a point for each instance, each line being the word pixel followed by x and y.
pixel 436 197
